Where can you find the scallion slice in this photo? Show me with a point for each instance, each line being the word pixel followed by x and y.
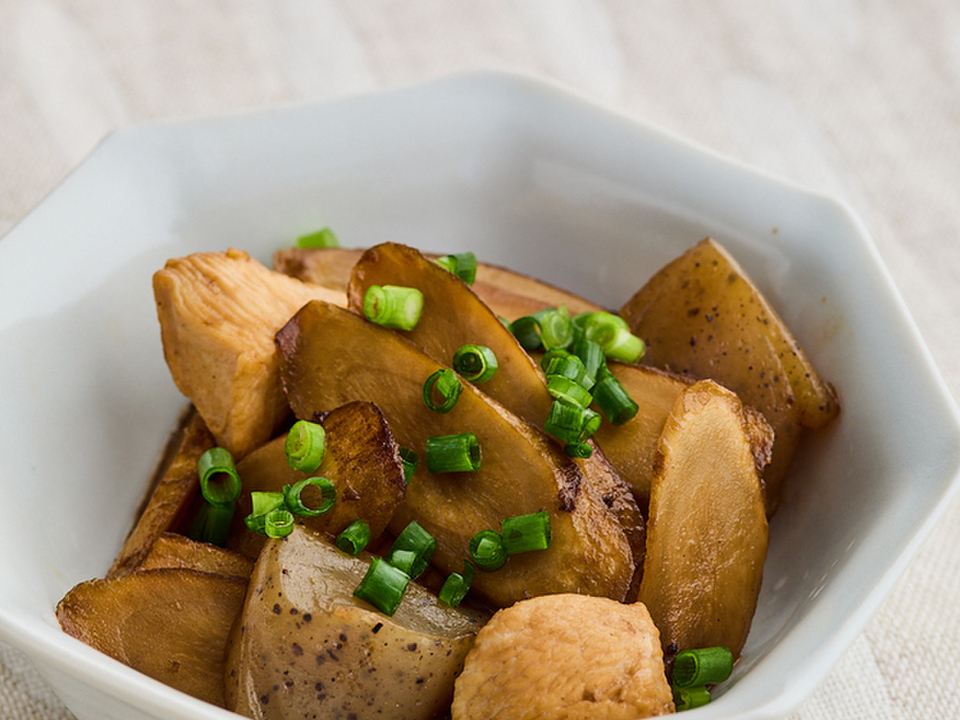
pixel 689 698
pixel 578 450
pixel 614 401
pixel 612 333
pixel 292 496
pixel 278 523
pixel 476 363
pixel 453 453
pixel 526 330
pixel 463 265
pixel 454 590
pixel 323 238
pixel 591 355
pixel 383 586
pixel 563 388
pixel 219 481
pixel 443 384
pixel 571 423
pixel 487 551
pixel 419 543
pixel 305 445
pixel 523 533
pixel 393 306
pixel 569 366
pixel 409 460
pixel 702 666
pixel 354 537
pixel 556 330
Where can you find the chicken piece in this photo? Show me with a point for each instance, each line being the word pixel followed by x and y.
pixel 218 314
pixel 565 656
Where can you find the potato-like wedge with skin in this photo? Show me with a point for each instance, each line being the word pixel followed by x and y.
pixel 361 458
pixel 632 447
pixel 171 550
pixel 707 531
pixel 218 314
pixel 455 316
pixel 702 316
pixel 171 624
pixel 170 498
pixel 306 646
pixel 329 356
pixel 508 293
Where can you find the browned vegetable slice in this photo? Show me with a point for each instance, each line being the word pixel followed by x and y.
pixel 701 315
pixel 170 624
pixel 171 550
pixel 707 531
pixel 632 447
pixel 455 316
pixel 218 314
pixel 330 356
pixel 170 498
pixel 362 459
pixel 305 646
pixel 508 293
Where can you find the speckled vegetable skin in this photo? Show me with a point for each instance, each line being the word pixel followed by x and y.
pixel 305 647
pixel 330 355
pixel 701 315
pixel 707 532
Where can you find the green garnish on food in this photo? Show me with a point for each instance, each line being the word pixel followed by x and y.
pixel 393 306
pixel 453 453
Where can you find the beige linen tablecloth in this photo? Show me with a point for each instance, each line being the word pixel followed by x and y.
pixel 857 99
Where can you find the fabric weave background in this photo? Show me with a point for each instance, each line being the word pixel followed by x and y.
pixel 855 98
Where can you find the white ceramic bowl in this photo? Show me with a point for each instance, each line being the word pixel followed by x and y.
pixel 525 175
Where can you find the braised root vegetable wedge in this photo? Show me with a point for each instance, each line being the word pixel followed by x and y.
pixel 632 447
pixel 171 624
pixel 707 530
pixel 178 551
pixel 305 646
pixel 330 356
pixel 170 498
pixel 218 314
pixel 455 316
pixel 701 315
pixel 508 293
pixel 362 459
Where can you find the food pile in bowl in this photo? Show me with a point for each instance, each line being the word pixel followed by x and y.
pixel 410 486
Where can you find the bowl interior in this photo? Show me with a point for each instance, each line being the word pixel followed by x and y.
pixel 524 175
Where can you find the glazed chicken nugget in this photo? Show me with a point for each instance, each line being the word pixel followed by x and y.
pixel 565 656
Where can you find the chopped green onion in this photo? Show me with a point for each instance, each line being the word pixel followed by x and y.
pixel 446 384
pixel 690 698
pixel 323 238
pixel 524 533
pixel 409 460
pixel 578 450
pixel 264 502
pixel 612 333
pixel 383 586
pixel 354 537
pixel 579 322
pixel 614 402
pixel 328 496
pixel 563 388
pixel 487 551
pixel 571 423
pixel 212 524
pixel 393 306
pixel 463 265
pixel 592 357
pixel 556 330
pixel 477 363
pixel 305 445
pixel 569 366
pixel 219 481
pixel 453 453
pixel 278 523
pixel 527 332
pixel 416 541
pixel 549 355
pixel 456 586
pixel 702 666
